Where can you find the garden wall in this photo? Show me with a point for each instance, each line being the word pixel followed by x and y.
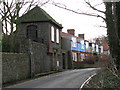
pixel 15 66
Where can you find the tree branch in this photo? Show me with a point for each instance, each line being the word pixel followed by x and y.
pixel 45 2
pixel 88 14
pixel 88 3
pixel 103 26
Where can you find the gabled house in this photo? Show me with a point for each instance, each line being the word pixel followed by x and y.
pixel 44 32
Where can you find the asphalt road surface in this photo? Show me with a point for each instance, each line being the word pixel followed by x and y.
pixel 66 79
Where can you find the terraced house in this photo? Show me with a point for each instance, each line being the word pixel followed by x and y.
pixel 39 36
pixel 81 49
pixel 77 46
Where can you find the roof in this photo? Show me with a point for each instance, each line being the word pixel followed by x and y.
pixel 105 46
pixel 38 14
pixel 66 34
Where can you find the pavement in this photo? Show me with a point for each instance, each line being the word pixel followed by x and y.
pixel 67 79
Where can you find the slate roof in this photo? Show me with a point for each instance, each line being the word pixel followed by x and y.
pixel 37 14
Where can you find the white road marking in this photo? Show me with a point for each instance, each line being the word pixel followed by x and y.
pixel 87 81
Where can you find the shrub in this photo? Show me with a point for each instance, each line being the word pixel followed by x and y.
pixel 90 59
pixel 5 45
pixel 104 60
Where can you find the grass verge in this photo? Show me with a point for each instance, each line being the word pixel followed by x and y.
pixel 103 79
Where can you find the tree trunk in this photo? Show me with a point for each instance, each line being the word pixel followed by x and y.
pixel 118 32
pixel 112 31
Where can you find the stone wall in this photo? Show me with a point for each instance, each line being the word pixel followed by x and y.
pixel 41 62
pixel 15 66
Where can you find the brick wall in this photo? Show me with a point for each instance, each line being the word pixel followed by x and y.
pixel 15 66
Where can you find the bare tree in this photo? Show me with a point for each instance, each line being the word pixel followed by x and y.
pixel 77 12
pixel 10 13
pixel 111 18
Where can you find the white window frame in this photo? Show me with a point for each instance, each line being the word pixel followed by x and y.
pixel 87 46
pixel 93 47
pixel 82 57
pixel 75 57
pixel 57 35
pixel 101 49
pixel 74 42
pixel 97 49
pixel 52 34
pixel 58 63
pixel 82 44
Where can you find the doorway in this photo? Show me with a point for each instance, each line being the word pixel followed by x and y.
pixel 63 58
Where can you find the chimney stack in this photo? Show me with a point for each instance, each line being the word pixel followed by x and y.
pixel 81 36
pixel 71 31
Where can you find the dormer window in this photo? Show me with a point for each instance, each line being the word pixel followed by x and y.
pixel 32 32
pixel 57 36
pixel 52 34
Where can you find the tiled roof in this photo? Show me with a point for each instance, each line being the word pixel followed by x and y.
pixel 38 14
pixel 105 46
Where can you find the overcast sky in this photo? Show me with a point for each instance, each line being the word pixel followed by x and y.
pixel 81 23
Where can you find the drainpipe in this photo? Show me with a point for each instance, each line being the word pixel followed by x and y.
pixel 30 54
pixel 31 65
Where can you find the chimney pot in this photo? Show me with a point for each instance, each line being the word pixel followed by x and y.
pixel 81 36
pixel 71 31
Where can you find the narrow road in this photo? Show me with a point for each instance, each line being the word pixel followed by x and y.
pixel 67 79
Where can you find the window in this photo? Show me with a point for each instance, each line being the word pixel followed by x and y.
pixel 74 57
pixel 101 49
pixel 57 36
pixel 82 44
pixel 73 42
pixel 87 46
pixel 52 34
pixel 93 47
pixel 82 57
pixel 58 64
pixel 96 48
pixel 32 32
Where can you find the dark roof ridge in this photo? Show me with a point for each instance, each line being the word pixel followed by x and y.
pixel 38 14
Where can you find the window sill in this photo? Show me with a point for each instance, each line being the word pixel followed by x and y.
pixel 52 41
pixel 57 43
